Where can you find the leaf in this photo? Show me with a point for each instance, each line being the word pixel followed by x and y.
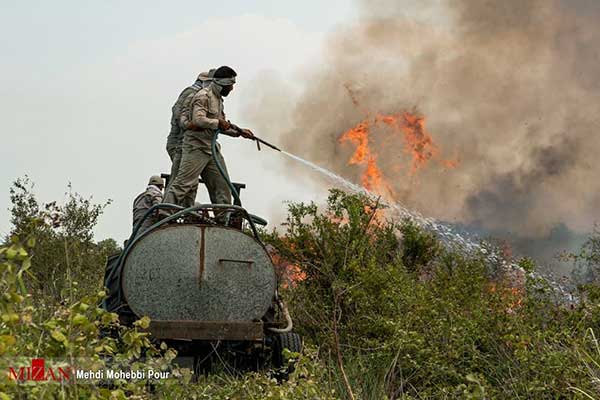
pixel 118 395
pixel 10 318
pixel 8 339
pixel 26 265
pixel 143 323
pixel 4 396
pixel 11 253
pixel 22 253
pixel 79 319
pixel 108 318
pixel 58 336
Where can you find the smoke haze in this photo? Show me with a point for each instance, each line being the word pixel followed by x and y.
pixel 508 89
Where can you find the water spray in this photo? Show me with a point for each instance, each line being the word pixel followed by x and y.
pixel 445 232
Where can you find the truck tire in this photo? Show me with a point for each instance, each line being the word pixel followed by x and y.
pixel 291 341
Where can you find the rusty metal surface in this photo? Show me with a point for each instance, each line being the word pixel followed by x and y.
pixel 199 330
pixel 209 273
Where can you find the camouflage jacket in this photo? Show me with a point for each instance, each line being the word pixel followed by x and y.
pixel 202 110
pixel 142 203
pixel 176 134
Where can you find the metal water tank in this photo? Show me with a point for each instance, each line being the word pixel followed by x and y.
pixel 201 273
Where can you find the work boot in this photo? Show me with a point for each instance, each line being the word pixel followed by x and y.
pixel 222 217
pixel 235 221
pixel 163 213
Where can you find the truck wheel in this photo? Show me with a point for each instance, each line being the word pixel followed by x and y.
pixel 291 341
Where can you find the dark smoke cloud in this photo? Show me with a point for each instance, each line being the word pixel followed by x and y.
pixel 511 88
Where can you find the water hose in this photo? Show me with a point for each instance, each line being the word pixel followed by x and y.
pixel 180 212
pixel 280 303
pixel 225 176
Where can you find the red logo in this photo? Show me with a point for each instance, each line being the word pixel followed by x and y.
pixel 38 372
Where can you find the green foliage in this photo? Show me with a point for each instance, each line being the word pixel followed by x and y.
pixel 589 352
pixel 419 248
pixel 381 305
pixel 415 320
pixel 46 313
pixel 586 263
pixel 72 333
pixel 309 381
pixel 66 254
pixel 527 264
pixel 64 332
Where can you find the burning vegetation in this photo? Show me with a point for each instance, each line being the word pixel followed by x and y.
pixel 402 130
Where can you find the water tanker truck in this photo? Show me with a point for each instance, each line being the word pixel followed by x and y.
pixel 208 287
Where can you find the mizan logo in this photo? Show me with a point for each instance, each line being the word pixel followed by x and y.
pixel 38 371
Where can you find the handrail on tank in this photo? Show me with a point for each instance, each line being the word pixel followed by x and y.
pixel 181 213
pixel 137 226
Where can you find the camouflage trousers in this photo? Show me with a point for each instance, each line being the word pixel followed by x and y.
pixel 175 156
pixel 197 161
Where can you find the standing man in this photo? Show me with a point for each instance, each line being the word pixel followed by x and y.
pixel 205 117
pixel 144 201
pixel 175 138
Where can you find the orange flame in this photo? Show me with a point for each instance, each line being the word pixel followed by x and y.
pixel 512 297
pixel 290 274
pixel 417 143
pixel 372 178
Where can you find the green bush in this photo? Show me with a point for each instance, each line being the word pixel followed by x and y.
pixel 386 311
pixel 409 318
pixel 65 332
pixel 66 253
pixel 72 333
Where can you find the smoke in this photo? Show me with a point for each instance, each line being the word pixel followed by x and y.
pixel 509 89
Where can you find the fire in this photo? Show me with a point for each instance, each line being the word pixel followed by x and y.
pixel 417 143
pixel 290 274
pixel 359 136
pixel 372 178
pixel 294 275
pixel 512 297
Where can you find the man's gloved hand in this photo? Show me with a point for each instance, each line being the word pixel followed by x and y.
pixel 247 133
pixel 224 124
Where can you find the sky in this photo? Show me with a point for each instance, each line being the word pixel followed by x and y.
pixel 86 89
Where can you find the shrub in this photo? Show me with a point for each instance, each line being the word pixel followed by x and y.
pixel 65 254
pixel 386 311
pixel 396 314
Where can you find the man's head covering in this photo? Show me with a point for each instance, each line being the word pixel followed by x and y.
pixel 207 75
pixel 224 76
pixel 156 181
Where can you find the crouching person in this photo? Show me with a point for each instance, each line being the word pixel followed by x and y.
pixel 144 201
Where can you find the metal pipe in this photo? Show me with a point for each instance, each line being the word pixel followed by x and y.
pixel 288 319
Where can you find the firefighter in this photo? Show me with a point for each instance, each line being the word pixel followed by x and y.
pixel 175 137
pixel 201 119
pixel 144 201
